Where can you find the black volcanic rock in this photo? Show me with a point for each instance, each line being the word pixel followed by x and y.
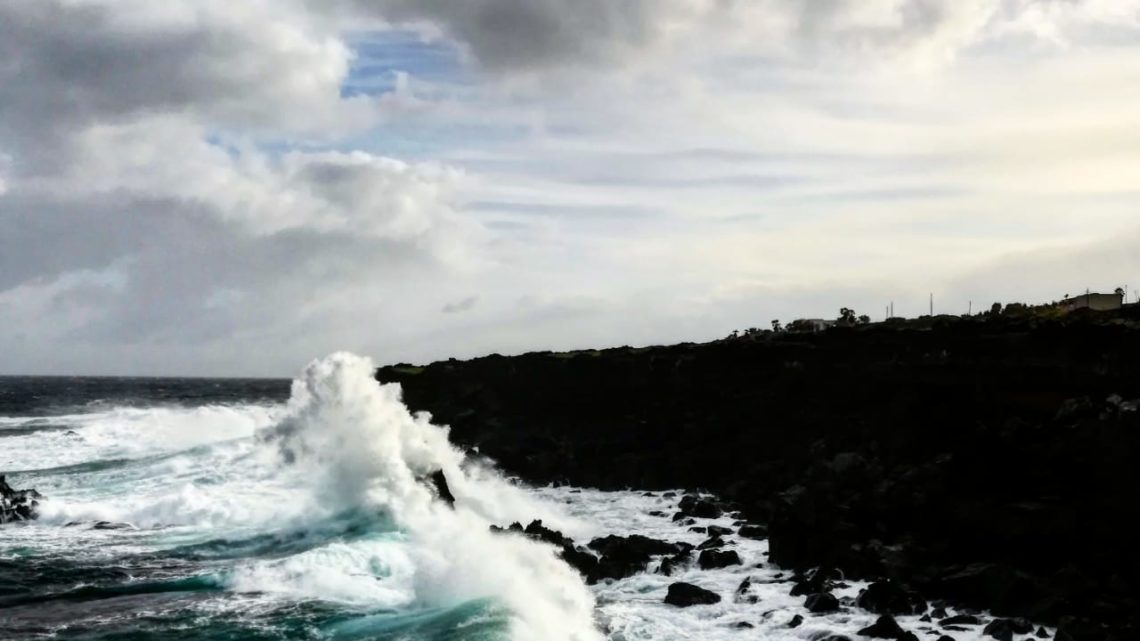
pixel 622 556
pixel 439 482
pixel 886 628
pixel 939 452
pixel 684 595
pixel 821 602
pixel 753 531
pixel 712 559
pixel 581 560
pixel 17 505
pixel 695 506
pixel 960 619
pixel 1004 629
pixel 889 597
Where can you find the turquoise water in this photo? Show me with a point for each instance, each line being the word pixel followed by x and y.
pixel 246 510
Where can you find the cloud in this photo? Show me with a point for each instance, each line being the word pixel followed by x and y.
pixel 195 186
pixel 462 305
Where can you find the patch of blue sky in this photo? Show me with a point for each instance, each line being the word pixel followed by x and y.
pixel 380 57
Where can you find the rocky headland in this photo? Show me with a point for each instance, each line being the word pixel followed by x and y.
pixel 991 461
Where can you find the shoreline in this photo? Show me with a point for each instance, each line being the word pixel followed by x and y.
pixel 988 461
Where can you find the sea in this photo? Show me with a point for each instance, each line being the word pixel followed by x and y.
pixel 224 509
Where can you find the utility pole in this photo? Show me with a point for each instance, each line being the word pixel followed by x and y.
pixel 971 312
pixel 931 303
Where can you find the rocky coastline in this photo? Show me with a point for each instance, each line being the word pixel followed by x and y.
pixel 987 461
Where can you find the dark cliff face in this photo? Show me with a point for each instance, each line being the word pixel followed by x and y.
pixel 953 457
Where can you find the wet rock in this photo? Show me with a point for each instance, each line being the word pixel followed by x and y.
pixel 711 543
pixel 695 506
pixel 622 556
pixel 821 603
pixel 716 530
pixel 890 597
pixel 439 482
pixel 796 621
pixel 960 619
pixel 1042 633
pixel 17 505
pixel 743 625
pixel 886 628
pixel 712 559
pixel 946 637
pixel 581 560
pixel 675 562
pixel 815 581
pixel 684 595
pixel 742 592
pixel 1004 629
pixel 758 532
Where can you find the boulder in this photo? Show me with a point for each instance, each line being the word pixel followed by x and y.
pixel 684 595
pixel 750 531
pixel 890 597
pixel 17 505
pixel 1004 629
pixel 886 628
pixel 622 556
pixel 817 580
pixel 695 506
pixel 671 564
pixel 712 559
pixel 581 560
pixel 960 619
pixel 711 543
pixel 821 603
pixel 439 482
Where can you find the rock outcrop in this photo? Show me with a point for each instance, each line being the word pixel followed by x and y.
pixel 988 462
pixel 17 505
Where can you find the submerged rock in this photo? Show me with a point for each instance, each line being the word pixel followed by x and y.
pixel 684 595
pixel 17 505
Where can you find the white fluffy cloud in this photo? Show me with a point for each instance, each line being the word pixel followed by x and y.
pixel 201 186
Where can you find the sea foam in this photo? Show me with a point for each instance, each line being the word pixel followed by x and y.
pixel 359 447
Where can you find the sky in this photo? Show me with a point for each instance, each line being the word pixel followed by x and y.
pixel 233 188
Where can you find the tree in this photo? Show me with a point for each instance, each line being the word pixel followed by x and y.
pixel 864 319
pixel 847 316
pixel 776 326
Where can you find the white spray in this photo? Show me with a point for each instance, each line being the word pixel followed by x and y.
pixel 359 447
